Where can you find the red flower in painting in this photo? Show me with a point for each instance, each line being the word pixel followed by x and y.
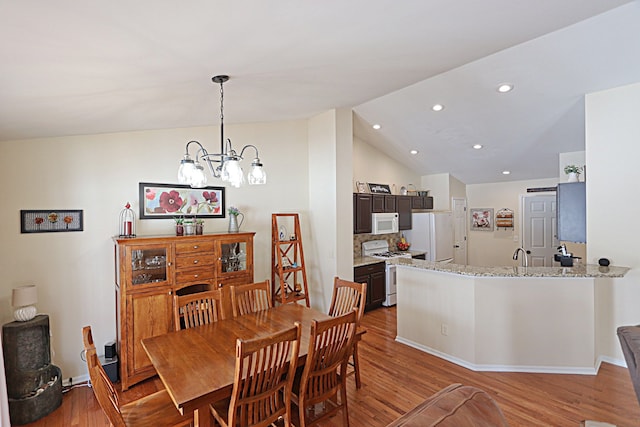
pixel 68 219
pixel 170 201
pixel 210 197
pixel 150 193
pixel 39 220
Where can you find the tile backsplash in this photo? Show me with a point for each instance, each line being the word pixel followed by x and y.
pixel 359 239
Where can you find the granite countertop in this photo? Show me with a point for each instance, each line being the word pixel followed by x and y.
pixel 580 270
pixel 367 260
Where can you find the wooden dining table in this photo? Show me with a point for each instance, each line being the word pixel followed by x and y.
pixel 197 365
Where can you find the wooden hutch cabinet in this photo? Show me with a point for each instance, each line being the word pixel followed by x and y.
pixel 150 270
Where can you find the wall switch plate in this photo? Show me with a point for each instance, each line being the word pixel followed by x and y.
pixel 444 329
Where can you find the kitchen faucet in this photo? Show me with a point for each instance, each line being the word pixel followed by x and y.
pixel 526 258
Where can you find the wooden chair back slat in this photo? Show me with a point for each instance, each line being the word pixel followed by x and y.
pixel 251 298
pixel 102 388
pixel 263 380
pixel 155 409
pixel 197 309
pixel 347 296
pixel 324 374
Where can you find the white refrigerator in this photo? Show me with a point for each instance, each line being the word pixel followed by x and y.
pixel 432 232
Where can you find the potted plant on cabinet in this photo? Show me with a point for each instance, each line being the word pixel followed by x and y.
pixel 574 172
pixel 189 226
pixel 179 225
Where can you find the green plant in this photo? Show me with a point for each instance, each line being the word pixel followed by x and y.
pixel 200 221
pixel 179 220
pixel 572 169
pixel 233 211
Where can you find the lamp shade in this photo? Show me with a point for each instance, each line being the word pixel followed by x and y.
pixel 23 299
pixel 24 295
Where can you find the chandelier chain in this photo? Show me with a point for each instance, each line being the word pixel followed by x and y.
pixel 221 103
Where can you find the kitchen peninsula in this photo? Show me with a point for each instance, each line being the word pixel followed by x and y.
pixel 519 319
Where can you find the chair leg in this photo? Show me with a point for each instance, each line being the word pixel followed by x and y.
pixel 356 365
pixel 345 409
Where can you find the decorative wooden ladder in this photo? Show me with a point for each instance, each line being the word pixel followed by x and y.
pixel 288 274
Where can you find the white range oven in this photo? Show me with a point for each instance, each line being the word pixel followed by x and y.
pixel 380 249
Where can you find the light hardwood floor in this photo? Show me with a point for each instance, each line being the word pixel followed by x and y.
pixel 396 377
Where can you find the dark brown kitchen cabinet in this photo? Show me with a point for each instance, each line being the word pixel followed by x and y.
pixel 421 202
pixel 403 204
pixel 374 276
pixel 383 203
pixel 361 213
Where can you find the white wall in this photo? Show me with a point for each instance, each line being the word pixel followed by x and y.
pixel 330 166
pixel 612 153
pixel 74 272
pixel 457 189
pixel 440 189
pixel 372 165
pixel 496 248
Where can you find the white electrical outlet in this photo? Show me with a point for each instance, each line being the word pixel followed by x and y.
pixel 444 329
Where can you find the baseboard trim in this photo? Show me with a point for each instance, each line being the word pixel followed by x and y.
pixel 579 370
pixel 75 380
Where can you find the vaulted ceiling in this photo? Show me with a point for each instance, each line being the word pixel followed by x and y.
pixel 72 68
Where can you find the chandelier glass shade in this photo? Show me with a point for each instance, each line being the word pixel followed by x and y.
pixel 227 162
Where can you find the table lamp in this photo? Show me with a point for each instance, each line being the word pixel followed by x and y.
pixel 23 299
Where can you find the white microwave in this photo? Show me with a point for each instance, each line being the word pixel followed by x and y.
pixel 384 223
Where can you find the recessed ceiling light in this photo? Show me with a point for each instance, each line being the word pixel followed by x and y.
pixel 438 107
pixel 376 126
pixel 506 172
pixel 414 151
pixel 477 146
pixel 505 87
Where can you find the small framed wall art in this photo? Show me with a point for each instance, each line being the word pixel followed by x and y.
pixel 379 188
pixel 166 201
pixel 51 220
pixel 481 219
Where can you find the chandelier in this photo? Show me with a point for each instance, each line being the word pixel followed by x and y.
pixel 227 166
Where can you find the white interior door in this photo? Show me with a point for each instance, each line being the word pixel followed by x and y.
pixel 459 230
pixel 539 229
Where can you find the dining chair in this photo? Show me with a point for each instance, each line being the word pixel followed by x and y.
pixel 348 296
pixel 156 409
pixel 263 381
pixel 197 309
pixel 250 298
pixel 324 375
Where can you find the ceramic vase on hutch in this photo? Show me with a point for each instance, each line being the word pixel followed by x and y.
pixel 573 177
pixel 234 226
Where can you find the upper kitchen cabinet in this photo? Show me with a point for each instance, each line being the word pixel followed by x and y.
pixel 383 203
pixel 362 213
pixel 572 212
pixel 403 203
pixel 421 202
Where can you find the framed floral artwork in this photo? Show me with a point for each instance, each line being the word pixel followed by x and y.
pixel 481 219
pixel 162 201
pixel 44 221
